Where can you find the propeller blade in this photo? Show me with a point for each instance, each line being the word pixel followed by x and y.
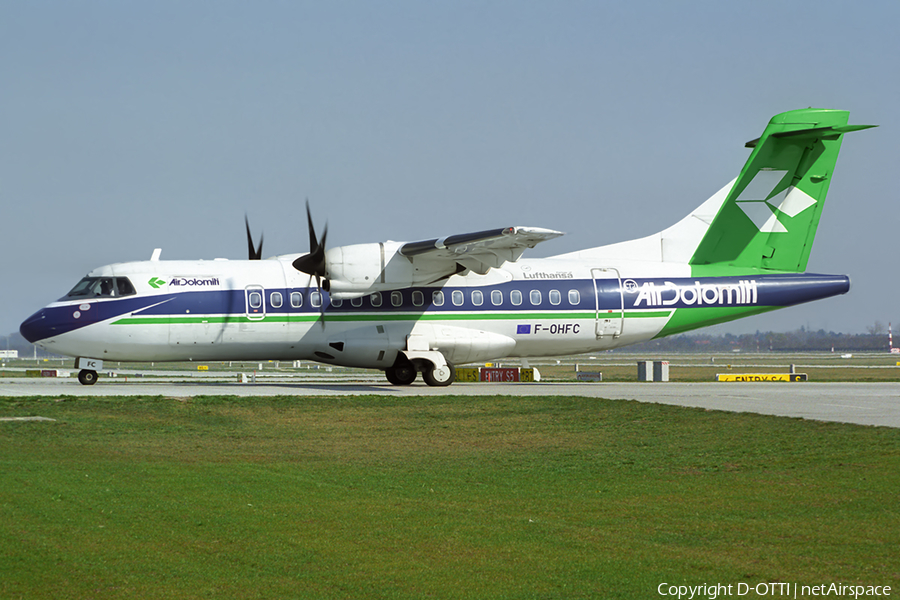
pixel 321 296
pixel 325 285
pixel 253 253
pixel 313 242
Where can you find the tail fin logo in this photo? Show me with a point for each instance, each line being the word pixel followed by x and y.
pixel 764 211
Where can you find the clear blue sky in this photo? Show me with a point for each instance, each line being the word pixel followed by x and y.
pixel 126 126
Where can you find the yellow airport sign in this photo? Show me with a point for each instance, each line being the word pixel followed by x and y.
pixel 469 374
pixel 495 374
pixel 761 377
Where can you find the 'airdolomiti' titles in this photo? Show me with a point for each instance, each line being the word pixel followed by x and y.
pixel 699 294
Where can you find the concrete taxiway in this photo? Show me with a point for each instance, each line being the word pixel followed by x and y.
pixel 861 403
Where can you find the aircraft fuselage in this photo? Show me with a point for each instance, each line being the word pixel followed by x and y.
pixel 255 310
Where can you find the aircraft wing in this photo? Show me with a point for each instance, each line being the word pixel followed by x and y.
pixel 478 251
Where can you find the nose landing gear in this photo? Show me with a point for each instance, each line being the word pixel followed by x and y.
pixel 89 367
pixel 87 377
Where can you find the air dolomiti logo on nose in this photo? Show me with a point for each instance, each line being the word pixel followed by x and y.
pixel 156 282
pixel 194 281
pixel 700 294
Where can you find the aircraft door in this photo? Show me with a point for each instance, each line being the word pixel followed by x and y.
pixel 256 302
pixel 609 304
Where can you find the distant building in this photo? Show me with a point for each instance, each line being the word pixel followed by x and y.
pixel 9 354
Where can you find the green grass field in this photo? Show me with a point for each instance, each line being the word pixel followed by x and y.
pixel 443 497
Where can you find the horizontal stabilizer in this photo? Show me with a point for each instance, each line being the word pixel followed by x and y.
pixel 813 132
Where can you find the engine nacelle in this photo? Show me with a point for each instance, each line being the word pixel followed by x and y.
pixel 362 269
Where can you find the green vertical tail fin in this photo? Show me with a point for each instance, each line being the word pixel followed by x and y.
pixel 769 219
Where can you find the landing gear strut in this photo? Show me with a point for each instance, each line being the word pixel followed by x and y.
pixel 87 377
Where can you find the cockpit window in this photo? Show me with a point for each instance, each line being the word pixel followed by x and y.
pixel 82 288
pixel 124 287
pixel 101 287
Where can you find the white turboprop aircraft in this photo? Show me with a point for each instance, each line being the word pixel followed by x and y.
pixel 425 306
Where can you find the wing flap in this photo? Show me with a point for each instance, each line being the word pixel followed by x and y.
pixel 478 251
pixel 480 241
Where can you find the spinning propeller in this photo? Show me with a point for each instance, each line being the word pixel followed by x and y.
pixel 314 263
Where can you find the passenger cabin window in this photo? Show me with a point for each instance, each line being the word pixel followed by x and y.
pixel 296 299
pixel 418 298
pixel 255 299
pixel 535 297
pixel 275 299
pixel 336 302
pixel 496 297
pixel 477 297
pixel 437 298
pixel 315 298
pixel 357 302
pixel 574 297
pixel 375 299
pixel 396 298
pixel 515 296
pixel 555 297
pixel 457 297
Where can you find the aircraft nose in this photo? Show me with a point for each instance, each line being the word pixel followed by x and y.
pixel 34 328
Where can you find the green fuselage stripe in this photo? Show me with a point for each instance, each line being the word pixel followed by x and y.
pixel 370 316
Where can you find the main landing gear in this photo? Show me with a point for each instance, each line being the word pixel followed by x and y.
pixel 439 376
pixel 87 377
pixel 405 373
pixel 402 375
